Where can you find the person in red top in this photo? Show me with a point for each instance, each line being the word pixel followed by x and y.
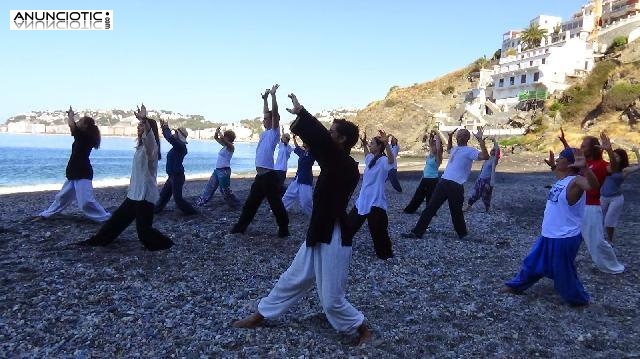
pixel 601 251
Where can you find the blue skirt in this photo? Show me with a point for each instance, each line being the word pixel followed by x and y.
pixel 553 258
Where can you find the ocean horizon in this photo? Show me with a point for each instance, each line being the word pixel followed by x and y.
pixel 37 162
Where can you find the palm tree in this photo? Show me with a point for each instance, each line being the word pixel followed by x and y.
pixel 532 36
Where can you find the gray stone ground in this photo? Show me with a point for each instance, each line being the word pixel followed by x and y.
pixel 436 298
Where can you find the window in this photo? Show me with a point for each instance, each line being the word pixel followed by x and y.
pixel 512 80
pixel 536 76
pixel 501 83
pixel 523 79
pixel 544 61
pixel 530 63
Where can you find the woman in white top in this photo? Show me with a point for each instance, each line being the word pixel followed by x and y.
pixel 221 176
pixel 371 204
pixel 141 196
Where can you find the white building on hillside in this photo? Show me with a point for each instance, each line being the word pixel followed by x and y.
pixel 543 69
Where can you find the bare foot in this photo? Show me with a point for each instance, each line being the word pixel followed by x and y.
pixel 37 219
pixel 364 335
pixel 249 322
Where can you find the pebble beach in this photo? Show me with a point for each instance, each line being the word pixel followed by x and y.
pixel 438 297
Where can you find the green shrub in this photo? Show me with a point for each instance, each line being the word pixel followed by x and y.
pixel 510 141
pixel 448 90
pixel 620 96
pixel 580 99
pixel 617 43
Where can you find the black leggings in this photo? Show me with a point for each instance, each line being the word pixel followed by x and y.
pixel 452 192
pixel 423 193
pixel 264 185
pixel 378 227
pixel 142 212
pixel 173 186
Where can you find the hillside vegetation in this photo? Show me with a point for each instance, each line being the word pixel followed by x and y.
pixel 589 106
pixel 407 112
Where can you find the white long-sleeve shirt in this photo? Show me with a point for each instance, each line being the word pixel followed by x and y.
pixel 143 185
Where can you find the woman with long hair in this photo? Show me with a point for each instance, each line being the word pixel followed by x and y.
pixel 79 172
pixel 371 204
pixel 611 197
pixel 142 193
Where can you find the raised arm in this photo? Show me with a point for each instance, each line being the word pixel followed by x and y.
pixel 265 103
pixel 149 142
pixel 631 169
pixel 484 154
pixel 439 148
pixel 295 141
pixel 275 116
pixel 364 144
pixel 313 133
pixel 605 143
pixel 223 141
pixel 166 132
pixel 391 157
pixel 586 182
pixel 450 140
pixel 562 139
pixel 70 120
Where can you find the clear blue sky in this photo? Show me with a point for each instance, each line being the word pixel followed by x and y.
pixel 214 57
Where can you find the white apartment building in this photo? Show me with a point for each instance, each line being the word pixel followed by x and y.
pixel 545 68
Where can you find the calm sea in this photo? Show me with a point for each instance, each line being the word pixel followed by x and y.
pixel 37 162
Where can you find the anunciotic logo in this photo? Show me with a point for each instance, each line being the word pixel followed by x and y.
pixel 61 19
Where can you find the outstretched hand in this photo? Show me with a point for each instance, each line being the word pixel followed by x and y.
pixel 265 95
pixel 141 113
pixel 561 137
pixel 478 135
pixel 363 140
pixel 580 161
pixel 70 113
pixel 273 90
pixel 605 142
pixel 551 161
pixel 164 123
pixel 383 136
pixel 450 134
pixel 297 107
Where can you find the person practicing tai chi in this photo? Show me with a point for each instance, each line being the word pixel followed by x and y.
pixel 221 176
pixel 266 182
pixel 326 254
pixel 371 204
pixel 79 186
pixel 450 187
pixel 486 179
pixel 430 174
pixel 282 161
pixel 555 251
pixel 393 172
pixel 175 170
pixel 601 251
pixel 611 197
pixel 142 193
pixel 300 188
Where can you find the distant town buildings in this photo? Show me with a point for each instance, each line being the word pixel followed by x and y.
pixel 568 49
